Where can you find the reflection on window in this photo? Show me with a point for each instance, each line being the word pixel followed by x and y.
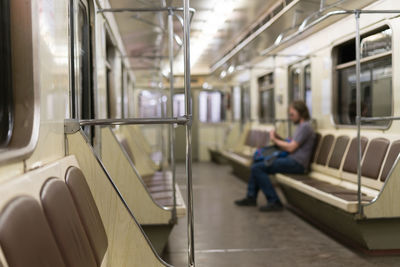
pixel 307 88
pixel 377 43
pixel 152 104
pixel 236 103
pixel 376 91
pixel 86 94
pixel 267 104
pixel 6 110
pixel 300 83
pixel 376 79
pixel 245 104
pixel 295 92
pixel 179 105
pixel 211 107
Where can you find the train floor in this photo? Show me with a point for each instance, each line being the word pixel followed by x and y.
pixel 226 235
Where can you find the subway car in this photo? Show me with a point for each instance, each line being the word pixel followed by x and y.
pixel 132 130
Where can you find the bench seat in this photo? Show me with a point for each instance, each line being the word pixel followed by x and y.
pixel 336 195
pixel 329 193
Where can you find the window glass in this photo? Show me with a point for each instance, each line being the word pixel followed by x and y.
pixel 267 105
pixel 376 79
pixel 84 86
pixel 6 100
pixel 307 88
pixel 236 103
pixel 179 105
pixel 376 91
pixel 151 104
pixel 211 107
pixel 245 103
pixel 295 92
pixel 377 43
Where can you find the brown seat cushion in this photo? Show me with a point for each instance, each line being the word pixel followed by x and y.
pixel 338 191
pixel 324 150
pixel 338 151
pixel 66 225
pixel 374 157
pixel 391 158
pixel 350 163
pixel 88 212
pixel 26 237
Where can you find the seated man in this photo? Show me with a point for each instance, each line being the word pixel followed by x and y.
pixel 297 162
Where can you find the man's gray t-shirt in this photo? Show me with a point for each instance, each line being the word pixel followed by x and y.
pixel 304 136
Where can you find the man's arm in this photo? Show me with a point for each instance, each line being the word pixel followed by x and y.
pixel 286 146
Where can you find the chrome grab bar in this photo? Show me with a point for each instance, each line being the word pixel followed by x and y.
pixel 171 113
pixel 186 53
pixel 138 10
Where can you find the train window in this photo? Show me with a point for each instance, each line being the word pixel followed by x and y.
pixel 152 104
pixel 236 103
pixel 179 105
pixel 19 101
pixel 300 83
pixel 82 94
pixel 245 106
pixel 267 104
pixel 307 88
pixel 110 88
pixel 6 101
pixel 211 106
pixel 376 79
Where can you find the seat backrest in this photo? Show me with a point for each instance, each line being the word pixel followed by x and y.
pixel 338 151
pixel 250 138
pixel 25 235
pixel 324 149
pixel 87 211
pixel 350 163
pixel 374 156
pixel 262 138
pixel 393 153
pixel 49 222
pixel 317 142
pixel 65 223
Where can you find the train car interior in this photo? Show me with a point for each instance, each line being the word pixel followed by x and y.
pixel 132 130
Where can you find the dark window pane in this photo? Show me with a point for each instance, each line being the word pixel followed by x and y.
pixel 267 106
pixel 307 88
pixel 376 91
pixel 6 100
pixel 245 103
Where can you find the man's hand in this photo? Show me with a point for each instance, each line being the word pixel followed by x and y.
pixel 272 135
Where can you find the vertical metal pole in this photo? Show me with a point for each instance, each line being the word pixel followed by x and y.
pixel 186 39
pixel 171 107
pixel 358 118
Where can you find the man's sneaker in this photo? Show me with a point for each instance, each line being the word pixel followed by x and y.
pixel 276 206
pixel 246 202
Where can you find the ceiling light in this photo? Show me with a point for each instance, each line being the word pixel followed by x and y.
pixel 231 69
pixel 223 74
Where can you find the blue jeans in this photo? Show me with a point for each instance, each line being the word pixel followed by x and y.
pixel 259 178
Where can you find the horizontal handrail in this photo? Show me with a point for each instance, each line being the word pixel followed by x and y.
pixel 157 9
pixel 372 119
pixel 73 125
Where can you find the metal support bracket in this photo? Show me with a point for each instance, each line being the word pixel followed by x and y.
pixel 71 126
